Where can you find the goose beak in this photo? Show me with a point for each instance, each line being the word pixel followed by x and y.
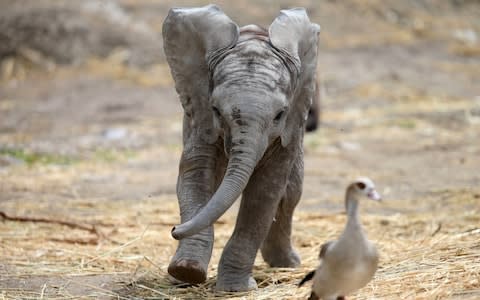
pixel 374 195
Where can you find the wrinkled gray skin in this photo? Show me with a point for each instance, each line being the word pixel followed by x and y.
pixel 246 93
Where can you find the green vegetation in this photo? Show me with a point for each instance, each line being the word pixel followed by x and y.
pixel 405 123
pixel 32 158
pixel 112 155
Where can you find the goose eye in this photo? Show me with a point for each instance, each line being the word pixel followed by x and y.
pixel 361 185
pixel 279 116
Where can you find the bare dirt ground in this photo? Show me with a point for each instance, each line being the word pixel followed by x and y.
pixel 99 142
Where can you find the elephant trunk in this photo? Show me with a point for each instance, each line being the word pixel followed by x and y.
pixel 241 164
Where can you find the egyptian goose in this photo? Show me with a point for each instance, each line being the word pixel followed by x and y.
pixel 350 262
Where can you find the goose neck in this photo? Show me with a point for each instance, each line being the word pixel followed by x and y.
pixel 351 205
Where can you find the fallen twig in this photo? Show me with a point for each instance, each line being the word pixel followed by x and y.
pixel 90 228
pixel 92 241
pixel 439 227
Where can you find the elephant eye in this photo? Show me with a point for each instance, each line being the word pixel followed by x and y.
pixel 216 111
pixel 279 116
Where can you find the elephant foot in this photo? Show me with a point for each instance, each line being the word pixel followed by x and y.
pixel 235 285
pixel 283 259
pixel 187 270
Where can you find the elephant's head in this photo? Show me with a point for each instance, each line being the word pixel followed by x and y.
pixel 250 92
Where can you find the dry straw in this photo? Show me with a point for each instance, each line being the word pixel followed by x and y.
pixel 433 254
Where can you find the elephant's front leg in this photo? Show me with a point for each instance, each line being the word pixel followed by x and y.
pixel 196 184
pixel 257 210
pixel 277 249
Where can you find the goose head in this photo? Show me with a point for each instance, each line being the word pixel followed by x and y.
pixel 364 187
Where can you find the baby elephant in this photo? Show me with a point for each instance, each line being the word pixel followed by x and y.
pixel 350 262
pixel 246 93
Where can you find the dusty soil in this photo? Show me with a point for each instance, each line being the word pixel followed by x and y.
pixel 401 104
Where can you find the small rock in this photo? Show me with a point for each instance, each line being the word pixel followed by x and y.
pixel 7 160
pixel 115 133
pixel 40 253
pixel 349 146
pixel 427 132
pixel 384 222
pixel 467 36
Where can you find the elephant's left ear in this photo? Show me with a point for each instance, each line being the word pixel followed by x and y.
pixel 293 34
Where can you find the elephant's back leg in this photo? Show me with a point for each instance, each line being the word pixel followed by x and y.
pixel 277 249
pixel 313 117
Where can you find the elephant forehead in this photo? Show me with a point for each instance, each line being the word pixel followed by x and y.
pixel 253 64
pixel 236 102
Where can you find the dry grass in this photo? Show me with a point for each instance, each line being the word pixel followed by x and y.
pixel 431 255
pixel 430 248
pixel 114 67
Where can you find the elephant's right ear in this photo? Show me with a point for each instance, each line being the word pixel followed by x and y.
pixel 191 36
